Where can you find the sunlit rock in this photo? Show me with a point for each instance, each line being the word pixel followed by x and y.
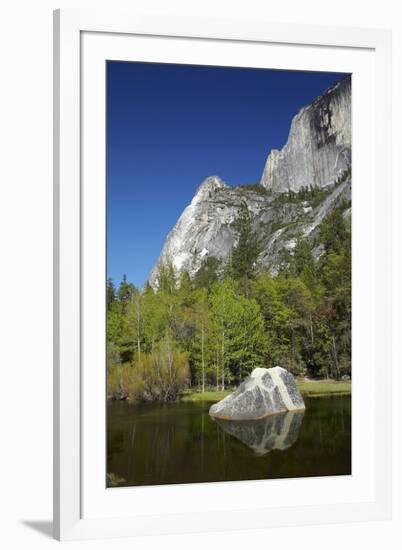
pixel 318 149
pixel 263 393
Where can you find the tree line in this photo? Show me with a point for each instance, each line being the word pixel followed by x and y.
pixel 209 332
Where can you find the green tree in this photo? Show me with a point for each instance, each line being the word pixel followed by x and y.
pixel 298 300
pixel 303 263
pixel 276 315
pixel 134 313
pixel 110 293
pixel 154 318
pixel 287 306
pixel 167 278
pixel 208 273
pixel 238 330
pixel 125 291
pixel 245 253
pixel 185 289
pixel 200 342
pixel 333 233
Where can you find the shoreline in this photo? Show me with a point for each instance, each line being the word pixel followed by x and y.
pixel 308 388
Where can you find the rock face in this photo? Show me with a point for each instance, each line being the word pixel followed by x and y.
pixel 275 432
pixel 263 393
pixel 318 149
pixel 201 231
pixel 317 154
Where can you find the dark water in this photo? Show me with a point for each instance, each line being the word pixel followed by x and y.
pixel 180 443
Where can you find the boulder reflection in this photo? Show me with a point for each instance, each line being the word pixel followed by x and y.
pixel 279 431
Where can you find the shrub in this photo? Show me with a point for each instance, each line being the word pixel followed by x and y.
pixel 161 375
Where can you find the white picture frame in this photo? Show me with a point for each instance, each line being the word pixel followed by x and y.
pixel 83 507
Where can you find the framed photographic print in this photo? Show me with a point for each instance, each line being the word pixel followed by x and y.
pixel 222 275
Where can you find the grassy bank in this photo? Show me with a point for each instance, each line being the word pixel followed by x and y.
pixel 318 388
pixel 206 396
pixel 308 388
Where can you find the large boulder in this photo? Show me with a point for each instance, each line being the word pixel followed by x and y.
pixel 275 432
pixel 264 392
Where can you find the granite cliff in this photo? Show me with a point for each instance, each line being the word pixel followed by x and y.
pixel 318 149
pixel 300 186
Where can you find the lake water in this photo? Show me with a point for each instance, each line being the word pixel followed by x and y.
pixel 179 443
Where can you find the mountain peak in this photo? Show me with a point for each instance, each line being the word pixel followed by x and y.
pixel 318 149
pixel 208 188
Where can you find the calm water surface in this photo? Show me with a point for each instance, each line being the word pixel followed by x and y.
pixel 179 443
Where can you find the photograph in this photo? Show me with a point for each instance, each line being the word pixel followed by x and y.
pixel 210 310
pixel 228 289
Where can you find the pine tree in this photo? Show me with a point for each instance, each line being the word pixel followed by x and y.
pixel 208 273
pixel 125 291
pixel 110 293
pixel 245 253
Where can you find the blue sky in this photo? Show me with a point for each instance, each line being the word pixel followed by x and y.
pixel 171 126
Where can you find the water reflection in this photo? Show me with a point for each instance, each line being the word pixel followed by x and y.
pixel 151 444
pixel 279 431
